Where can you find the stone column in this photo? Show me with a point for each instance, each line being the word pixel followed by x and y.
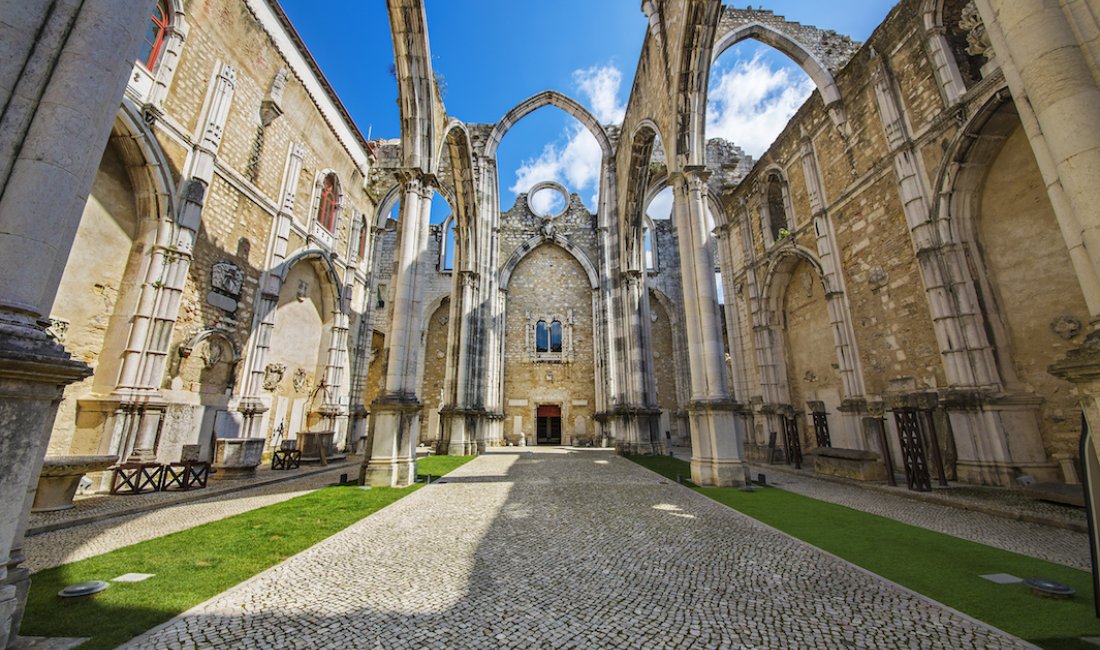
pixel 1056 93
pixel 638 416
pixel 717 424
pixel 63 70
pixel 395 415
pixel 463 389
pixel 252 404
pixel 154 321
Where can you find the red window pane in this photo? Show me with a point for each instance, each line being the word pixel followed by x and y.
pixel 154 35
pixel 362 240
pixel 326 213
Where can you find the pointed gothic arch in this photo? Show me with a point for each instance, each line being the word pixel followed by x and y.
pixel 548 98
pixel 794 50
pixel 538 241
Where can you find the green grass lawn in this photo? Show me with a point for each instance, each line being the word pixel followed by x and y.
pixel 194 565
pixel 942 567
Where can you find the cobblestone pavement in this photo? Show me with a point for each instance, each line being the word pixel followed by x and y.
pixel 1035 540
pixel 555 548
pixel 58 547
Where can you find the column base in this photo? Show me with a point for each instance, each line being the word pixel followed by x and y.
pixel 34 371
pixel 388 473
pixel 11 613
pixel 461 430
pixel 718 430
pixel 710 472
pixel 636 430
pixel 394 427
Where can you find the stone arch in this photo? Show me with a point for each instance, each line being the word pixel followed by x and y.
pixel 391 198
pixel 794 50
pixel 700 23
pixel 989 344
pixel 323 261
pixel 779 270
pixel 417 94
pixel 632 251
pixel 106 288
pixel 227 337
pixel 431 371
pixel 773 291
pixel 208 374
pixel 960 184
pixel 462 195
pixel 535 102
pixel 147 162
pixel 808 368
pixel 672 310
pixel 537 241
pixel 944 63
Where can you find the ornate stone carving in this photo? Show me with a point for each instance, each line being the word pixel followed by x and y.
pixel 212 353
pixel 303 290
pixel 976 36
pixel 58 328
pixel 227 278
pixel 1066 326
pixel 300 380
pixel 273 374
pixel 877 277
pixel 548 228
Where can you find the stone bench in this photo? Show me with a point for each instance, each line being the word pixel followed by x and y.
pixel 855 464
pixel 61 476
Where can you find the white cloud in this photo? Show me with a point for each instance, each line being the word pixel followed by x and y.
pixel 601 85
pixel 750 103
pixel 574 160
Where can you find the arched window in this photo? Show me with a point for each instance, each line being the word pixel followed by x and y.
pixel 777 210
pixel 361 246
pixel 555 336
pixel 155 32
pixel 542 337
pixel 326 211
pixel 548 337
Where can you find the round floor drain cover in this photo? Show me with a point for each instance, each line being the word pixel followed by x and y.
pixel 1049 588
pixel 83 589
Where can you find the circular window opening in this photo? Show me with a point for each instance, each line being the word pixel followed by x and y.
pixel 547 199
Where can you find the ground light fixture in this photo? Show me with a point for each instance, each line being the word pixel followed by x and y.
pixel 82 589
pixel 1049 588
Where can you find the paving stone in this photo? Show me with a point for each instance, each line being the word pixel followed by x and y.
pixel 544 544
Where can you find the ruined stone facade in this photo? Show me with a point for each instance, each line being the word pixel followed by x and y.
pixel 230 213
pixel 911 267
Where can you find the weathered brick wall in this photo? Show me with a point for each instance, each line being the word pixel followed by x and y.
pixel 551 283
pixel 889 307
pixel 238 215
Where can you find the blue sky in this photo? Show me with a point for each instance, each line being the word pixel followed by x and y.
pixel 493 54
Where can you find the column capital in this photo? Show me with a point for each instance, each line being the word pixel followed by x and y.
pixel 416 179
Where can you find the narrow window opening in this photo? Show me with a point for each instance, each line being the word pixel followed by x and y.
pixel 326 212
pixel 542 337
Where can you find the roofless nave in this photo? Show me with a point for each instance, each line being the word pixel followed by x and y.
pixel 909 273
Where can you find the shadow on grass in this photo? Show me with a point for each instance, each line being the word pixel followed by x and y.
pixel 944 568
